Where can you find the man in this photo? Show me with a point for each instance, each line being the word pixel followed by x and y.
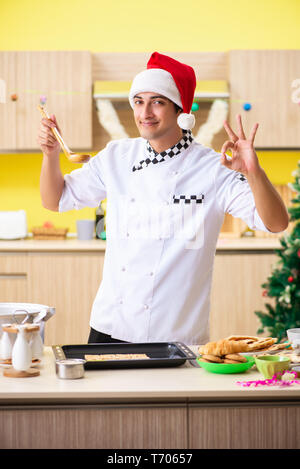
pixel 166 200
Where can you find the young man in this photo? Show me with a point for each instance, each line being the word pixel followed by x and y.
pixel 166 200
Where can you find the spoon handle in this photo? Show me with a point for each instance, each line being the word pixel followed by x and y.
pixel 56 132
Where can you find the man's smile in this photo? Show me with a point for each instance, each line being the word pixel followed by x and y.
pixel 148 124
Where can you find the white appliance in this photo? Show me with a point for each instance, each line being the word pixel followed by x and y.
pixel 13 224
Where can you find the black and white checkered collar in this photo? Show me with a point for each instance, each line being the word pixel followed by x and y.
pixel 153 157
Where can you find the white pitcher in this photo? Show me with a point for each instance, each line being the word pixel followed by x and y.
pixel 21 354
pixel 6 345
pixel 37 346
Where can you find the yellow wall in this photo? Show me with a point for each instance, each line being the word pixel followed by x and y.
pixel 135 26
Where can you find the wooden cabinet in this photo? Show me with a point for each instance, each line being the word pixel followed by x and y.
pixel 269 80
pixel 237 426
pixel 237 292
pixel 125 427
pixel 13 277
pixel 203 425
pixel 64 78
pixel 69 282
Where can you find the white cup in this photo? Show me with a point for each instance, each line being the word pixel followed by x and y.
pixel 294 337
pixel 85 229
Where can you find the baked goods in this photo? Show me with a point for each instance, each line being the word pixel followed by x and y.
pixel 236 357
pixel 116 356
pixel 276 347
pixel 228 350
pixel 223 347
pixel 231 358
pixel 49 232
pixel 236 344
pixel 212 358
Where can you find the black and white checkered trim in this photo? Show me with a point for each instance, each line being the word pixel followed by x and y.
pixel 188 199
pixel 154 157
pixel 241 177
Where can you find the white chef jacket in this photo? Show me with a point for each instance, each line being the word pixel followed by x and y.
pixel 162 226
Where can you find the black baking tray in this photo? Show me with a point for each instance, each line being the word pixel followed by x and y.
pixel 161 354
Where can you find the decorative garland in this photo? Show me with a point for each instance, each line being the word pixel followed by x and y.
pixel 217 114
pixel 274 381
pixel 109 119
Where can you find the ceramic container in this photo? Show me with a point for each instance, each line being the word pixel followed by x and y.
pixel 21 354
pixel 269 365
pixel 294 338
pixel 36 345
pixel 6 345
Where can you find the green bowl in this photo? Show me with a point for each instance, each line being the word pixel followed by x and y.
pixel 269 365
pixel 225 368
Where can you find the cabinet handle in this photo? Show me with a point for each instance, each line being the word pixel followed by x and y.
pixel 12 276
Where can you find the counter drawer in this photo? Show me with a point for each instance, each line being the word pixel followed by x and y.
pixel 13 264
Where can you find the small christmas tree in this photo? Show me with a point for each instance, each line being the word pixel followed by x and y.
pixel 284 282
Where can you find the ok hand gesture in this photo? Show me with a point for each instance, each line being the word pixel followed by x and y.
pixel 244 159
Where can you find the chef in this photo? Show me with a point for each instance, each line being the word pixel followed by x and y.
pixel 166 199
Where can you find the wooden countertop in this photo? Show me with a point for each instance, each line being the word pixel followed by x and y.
pixel 184 383
pixel 224 244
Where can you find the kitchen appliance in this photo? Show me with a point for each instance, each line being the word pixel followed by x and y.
pixel 13 224
pixel 21 313
pixel 160 354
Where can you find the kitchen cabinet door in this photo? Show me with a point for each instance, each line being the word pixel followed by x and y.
pixel 13 278
pixel 268 80
pixel 64 79
pixel 8 136
pixel 98 427
pixel 238 426
pixel 236 297
pixel 69 282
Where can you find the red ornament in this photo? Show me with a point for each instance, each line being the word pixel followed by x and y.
pixel 298 253
pixel 290 279
pixel 265 293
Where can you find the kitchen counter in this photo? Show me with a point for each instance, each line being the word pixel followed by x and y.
pixel 186 382
pixel 73 244
pixel 180 407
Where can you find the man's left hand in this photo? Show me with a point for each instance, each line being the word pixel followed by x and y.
pixel 244 159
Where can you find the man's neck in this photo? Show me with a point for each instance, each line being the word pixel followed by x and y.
pixel 164 143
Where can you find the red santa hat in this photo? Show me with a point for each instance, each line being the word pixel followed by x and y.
pixel 171 79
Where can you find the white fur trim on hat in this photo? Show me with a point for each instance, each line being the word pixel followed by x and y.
pixel 186 121
pixel 155 80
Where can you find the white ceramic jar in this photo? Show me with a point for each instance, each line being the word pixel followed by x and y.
pixel 21 354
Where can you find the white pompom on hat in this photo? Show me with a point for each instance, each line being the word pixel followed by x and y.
pixel 172 79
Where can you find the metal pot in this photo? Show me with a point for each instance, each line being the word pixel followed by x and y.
pixel 20 313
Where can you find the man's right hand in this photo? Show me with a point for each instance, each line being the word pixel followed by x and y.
pixel 46 139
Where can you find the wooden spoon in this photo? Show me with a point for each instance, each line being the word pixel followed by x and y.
pixel 74 157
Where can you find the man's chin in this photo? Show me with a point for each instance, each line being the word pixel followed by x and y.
pixel 148 134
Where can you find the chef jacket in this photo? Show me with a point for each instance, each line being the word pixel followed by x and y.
pixel 162 225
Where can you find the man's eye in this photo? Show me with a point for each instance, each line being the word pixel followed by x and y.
pixel 137 102
pixel 158 101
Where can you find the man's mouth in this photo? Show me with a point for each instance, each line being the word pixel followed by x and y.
pixel 148 124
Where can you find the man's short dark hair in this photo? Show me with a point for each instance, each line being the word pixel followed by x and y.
pixel 177 108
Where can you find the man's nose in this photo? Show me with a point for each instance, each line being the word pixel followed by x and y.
pixel 147 111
